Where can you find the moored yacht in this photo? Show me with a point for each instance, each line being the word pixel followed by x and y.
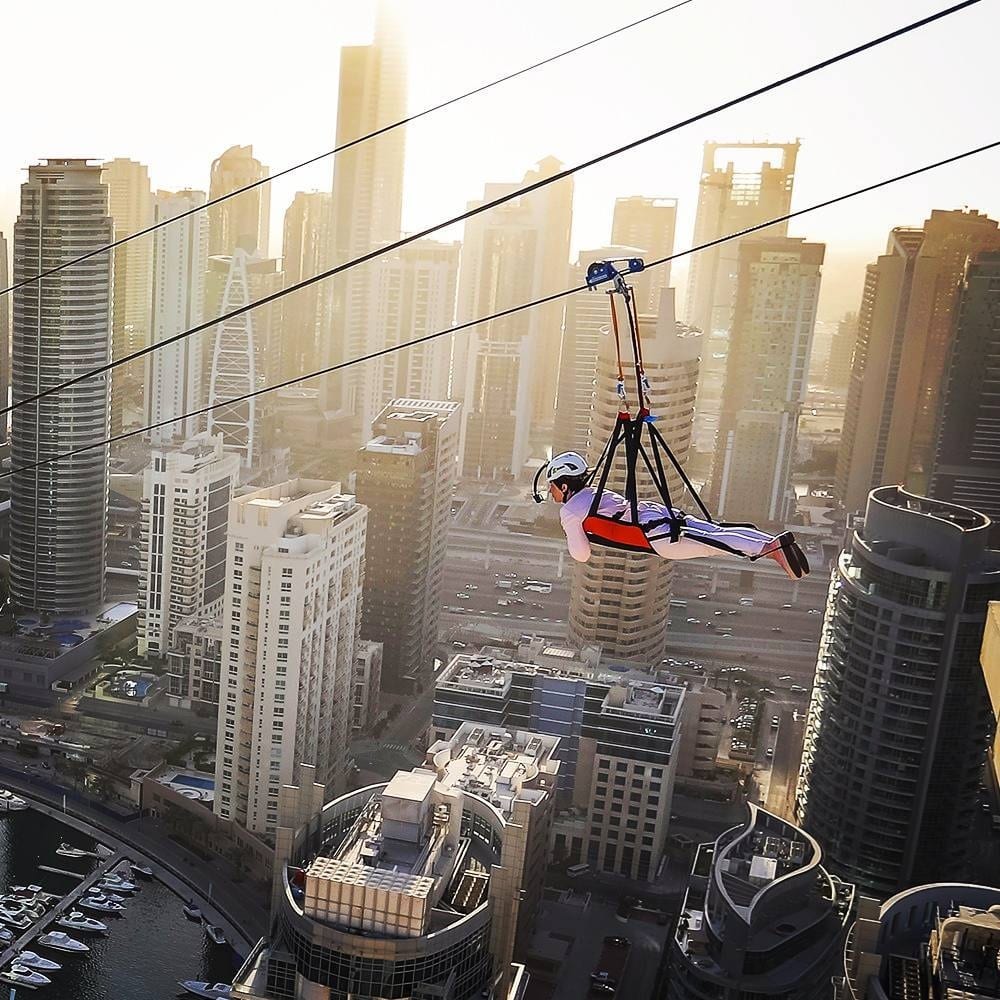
pixel 61 941
pixel 77 921
pixel 18 975
pixel 101 904
pixel 9 802
pixel 211 991
pixel 32 960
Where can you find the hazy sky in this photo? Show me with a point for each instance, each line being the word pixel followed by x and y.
pixel 176 88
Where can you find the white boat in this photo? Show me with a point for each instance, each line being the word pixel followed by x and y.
pixel 216 933
pixel 212 991
pixel 18 975
pixel 103 852
pixel 9 802
pixel 61 941
pixel 96 890
pixel 77 921
pixel 34 893
pixel 191 910
pixel 19 920
pixel 6 936
pixel 21 907
pixel 32 960
pixel 142 870
pixel 114 881
pixel 101 904
pixel 65 850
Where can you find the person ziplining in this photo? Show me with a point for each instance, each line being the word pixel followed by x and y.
pixel 598 516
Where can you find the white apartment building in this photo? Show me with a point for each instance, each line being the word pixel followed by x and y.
pixel 174 374
pixel 365 685
pixel 186 491
pixel 291 618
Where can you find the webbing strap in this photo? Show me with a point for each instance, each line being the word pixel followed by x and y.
pixel 657 438
pixel 608 458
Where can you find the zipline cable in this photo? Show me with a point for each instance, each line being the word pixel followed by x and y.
pixel 487 206
pixel 347 145
pixel 504 312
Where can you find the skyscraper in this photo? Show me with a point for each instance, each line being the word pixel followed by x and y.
pixel 245 353
pixel 304 249
pixel 241 222
pixel 619 600
pixel 766 367
pixel 291 614
pixel 905 328
pixel 506 370
pixel 405 478
pixel 647 224
pixel 413 295
pixel 967 458
pixel 838 363
pixel 131 205
pixel 4 335
pixel 185 509
pixel 899 716
pixel 367 190
pixel 761 917
pixel 61 325
pixel 175 374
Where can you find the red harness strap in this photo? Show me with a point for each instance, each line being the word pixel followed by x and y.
pixel 616 534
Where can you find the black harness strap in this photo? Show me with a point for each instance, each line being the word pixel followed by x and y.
pixel 657 438
pixel 608 458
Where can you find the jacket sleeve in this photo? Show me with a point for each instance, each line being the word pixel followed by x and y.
pixel 578 543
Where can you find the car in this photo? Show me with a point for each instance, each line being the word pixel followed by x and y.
pixel 814 611
pixel 766 691
pixel 603 977
pixel 463 596
pixel 797 689
pixel 986 807
pixel 458 645
pixel 697 666
pixel 785 677
pixel 471 586
pixel 732 611
pixel 694 621
pixel 709 624
pixel 774 628
pixel 601 988
pixel 616 941
pixel 786 607
pixel 718 612
pixel 769 752
pixel 775 721
pixel 703 597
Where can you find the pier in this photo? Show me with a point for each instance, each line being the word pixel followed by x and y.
pixel 65 905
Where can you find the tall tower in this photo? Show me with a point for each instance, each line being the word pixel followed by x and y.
pixel 838 364
pixel 413 294
pixel 59 510
pixel 186 491
pixel 648 224
pixel 174 379
pixel 773 319
pixel 246 353
pixel 131 204
pixel 304 249
pixel 4 334
pixel 905 329
pixel 619 600
pixel 367 189
pixel 506 370
pixel 899 717
pixel 967 460
pixel 405 477
pixel 241 222
pixel 291 615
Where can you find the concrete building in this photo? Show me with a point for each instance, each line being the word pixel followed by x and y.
pixel 366 683
pixel 421 887
pixel 413 295
pixel 767 364
pixel 194 663
pixel 934 942
pixel 506 370
pixel 405 477
pixel 837 374
pixel 905 331
pixel 701 734
pixel 761 918
pixel 899 716
pixel 648 224
pixel 304 254
pixel 367 191
pixel 4 334
pixel 966 466
pixel 175 374
pixel 185 511
pixel 59 510
pixel 989 659
pixel 245 354
pixel 130 203
pixel 291 617
pixel 619 744
pixel 243 221
pixel 619 600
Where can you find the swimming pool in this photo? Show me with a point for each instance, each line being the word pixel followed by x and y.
pixel 192 781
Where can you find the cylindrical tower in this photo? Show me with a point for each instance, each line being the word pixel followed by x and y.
pixel 619 600
pixel 61 328
pixel 899 717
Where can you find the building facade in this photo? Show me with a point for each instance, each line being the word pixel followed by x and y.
pixel 899 717
pixel 175 373
pixel 774 315
pixel 966 466
pixel 837 375
pixel 761 918
pixel 4 334
pixel 185 512
pixel 366 684
pixel 989 659
pixel 243 221
pixel 194 663
pixel 905 331
pixel 405 478
pixel 619 745
pixel 648 224
pixel 291 617
pixel 619 600
pixel 59 510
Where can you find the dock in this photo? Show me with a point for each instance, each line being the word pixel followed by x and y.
pixel 64 905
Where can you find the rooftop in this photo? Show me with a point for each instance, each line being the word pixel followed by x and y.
pixel 964 953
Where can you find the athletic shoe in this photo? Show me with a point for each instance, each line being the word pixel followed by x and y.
pixel 786 553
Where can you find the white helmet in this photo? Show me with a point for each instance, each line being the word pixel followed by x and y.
pixel 569 463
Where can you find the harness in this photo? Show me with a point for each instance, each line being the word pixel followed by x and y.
pixel 636 435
